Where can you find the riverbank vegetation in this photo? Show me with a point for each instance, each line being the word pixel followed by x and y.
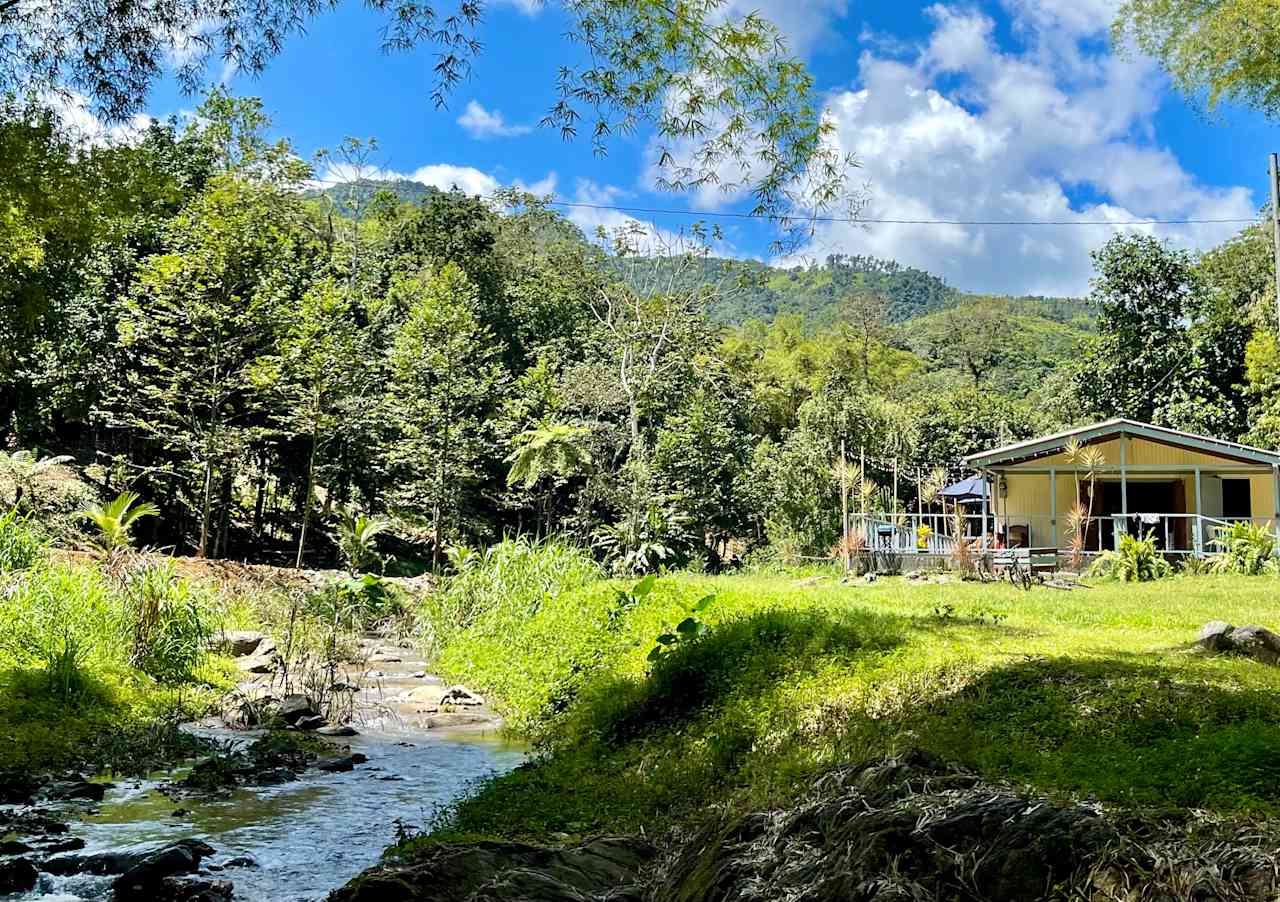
pixel 1092 693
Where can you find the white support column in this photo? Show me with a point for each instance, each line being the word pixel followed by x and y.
pixel 1198 544
pixel 983 529
pixel 1124 482
pixel 1053 508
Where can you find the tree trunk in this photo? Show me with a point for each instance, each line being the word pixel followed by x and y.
pixel 306 499
pixel 205 508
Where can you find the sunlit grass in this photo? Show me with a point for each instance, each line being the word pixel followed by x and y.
pixel 1092 692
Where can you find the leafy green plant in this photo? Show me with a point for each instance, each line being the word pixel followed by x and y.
pixel 647 540
pixel 115 520
pixel 21 542
pixel 169 621
pixel 688 630
pixel 1247 548
pixel 25 470
pixel 1134 561
pixel 357 540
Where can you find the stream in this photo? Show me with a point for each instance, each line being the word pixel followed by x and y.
pixel 304 838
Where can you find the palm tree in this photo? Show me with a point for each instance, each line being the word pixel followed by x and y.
pixel 116 518
pixel 1091 460
pixel 25 469
pixel 357 539
pixel 549 450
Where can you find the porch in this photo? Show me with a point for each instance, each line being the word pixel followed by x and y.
pixel 1177 534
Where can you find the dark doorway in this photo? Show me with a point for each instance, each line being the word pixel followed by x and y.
pixel 1237 501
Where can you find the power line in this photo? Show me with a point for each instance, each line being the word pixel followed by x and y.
pixel 857 220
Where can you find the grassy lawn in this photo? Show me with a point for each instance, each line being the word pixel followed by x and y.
pixel 1089 693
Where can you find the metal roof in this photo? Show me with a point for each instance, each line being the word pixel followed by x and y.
pixel 1085 434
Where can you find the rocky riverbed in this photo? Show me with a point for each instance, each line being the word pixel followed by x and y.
pixel 260 820
pixel 905 829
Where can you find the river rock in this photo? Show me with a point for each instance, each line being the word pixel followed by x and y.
pixel 179 889
pixel 1216 636
pixel 31 823
pixel 123 861
pixel 242 643
pixel 609 868
pixel 907 828
pixel 295 707
pixel 258 664
pixel 18 788
pixel 461 696
pixel 335 730
pixel 310 722
pixel 337 765
pixel 17 875
pixel 148 873
pixel 73 790
pixel 14 847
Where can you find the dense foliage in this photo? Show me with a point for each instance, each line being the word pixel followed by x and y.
pixel 182 320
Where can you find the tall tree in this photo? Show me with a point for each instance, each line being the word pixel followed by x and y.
pixel 319 370
pixel 721 91
pixel 445 383
pixel 194 326
pixel 1216 49
pixel 1142 292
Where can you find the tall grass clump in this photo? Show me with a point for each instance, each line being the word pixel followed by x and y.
pixel 22 544
pixel 170 621
pixel 62 620
pixel 493 592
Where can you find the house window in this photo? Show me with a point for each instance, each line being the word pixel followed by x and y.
pixel 1236 500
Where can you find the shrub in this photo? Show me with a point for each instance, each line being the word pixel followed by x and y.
pixel 60 619
pixel 1135 561
pixel 168 619
pixel 495 591
pixel 1247 549
pixel 21 542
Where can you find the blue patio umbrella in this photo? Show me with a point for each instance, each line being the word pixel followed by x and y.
pixel 975 488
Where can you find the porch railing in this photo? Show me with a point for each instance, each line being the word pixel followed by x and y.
pixel 1174 534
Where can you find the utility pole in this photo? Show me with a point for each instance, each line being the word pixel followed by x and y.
pixel 1275 227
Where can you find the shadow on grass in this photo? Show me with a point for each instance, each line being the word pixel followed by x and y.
pixel 741 662
pixel 1118 728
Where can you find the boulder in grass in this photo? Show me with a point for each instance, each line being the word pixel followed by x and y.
pixel 1216 636
pixel 1256 642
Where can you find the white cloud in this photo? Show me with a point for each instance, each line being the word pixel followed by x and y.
pixel 72 110
pixel 528 7
pixel 444 176
pixel 805 24
pixel 963 130
pixel 482 123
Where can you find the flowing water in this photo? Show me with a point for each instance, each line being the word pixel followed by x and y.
pixel 306 837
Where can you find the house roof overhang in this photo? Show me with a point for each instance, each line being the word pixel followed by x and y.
pixel 1053 444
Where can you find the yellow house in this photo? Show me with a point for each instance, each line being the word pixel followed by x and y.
pixel 1142 479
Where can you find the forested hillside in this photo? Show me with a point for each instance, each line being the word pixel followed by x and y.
pixel 187 321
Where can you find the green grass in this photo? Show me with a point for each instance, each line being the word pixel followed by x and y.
pixel 1089 693
pixel 97 669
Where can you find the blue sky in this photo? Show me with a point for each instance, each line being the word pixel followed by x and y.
pixel 1006 109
